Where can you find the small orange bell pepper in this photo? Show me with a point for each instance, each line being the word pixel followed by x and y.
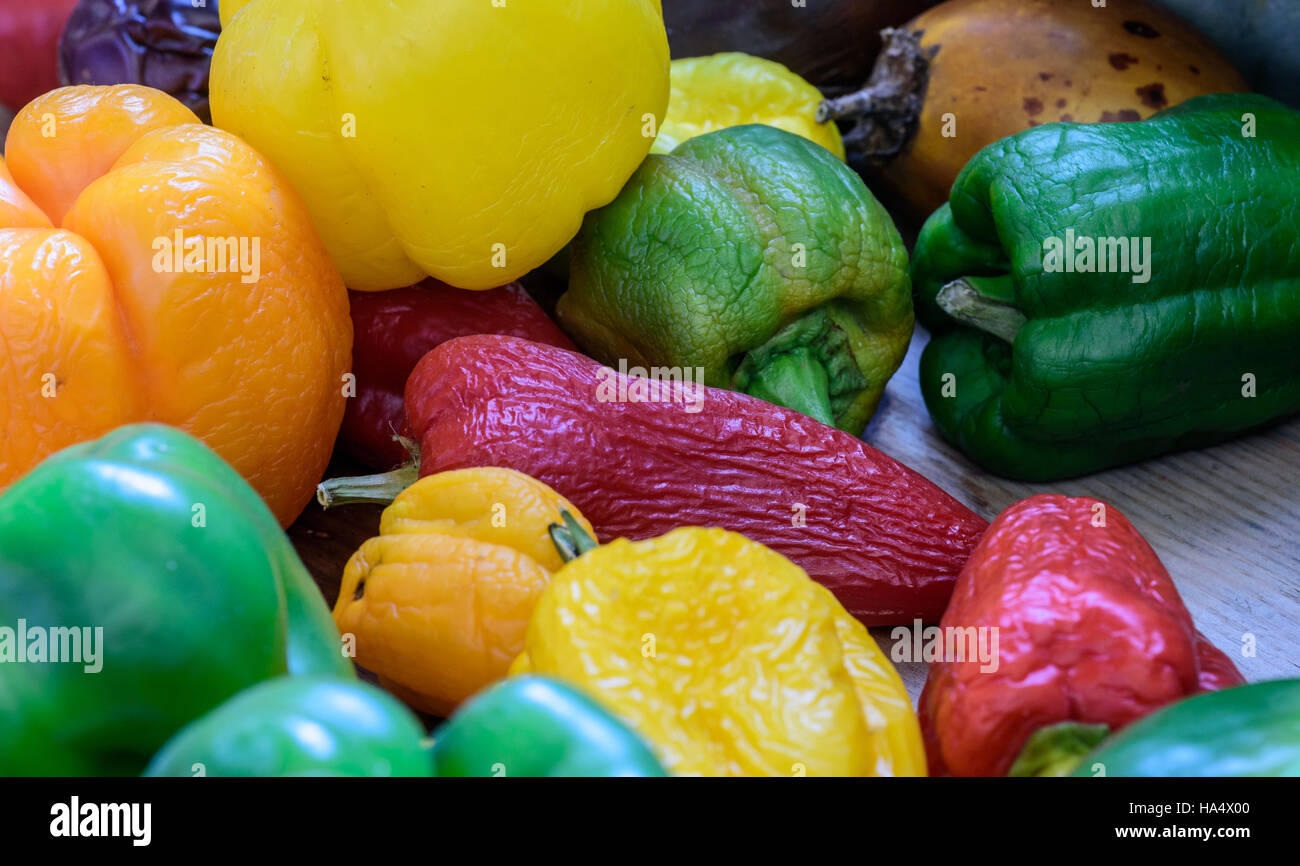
pixel 438 603
pixel 155 269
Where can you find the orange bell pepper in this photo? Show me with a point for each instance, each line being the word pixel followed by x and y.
pixel 155 269
pixel 438 604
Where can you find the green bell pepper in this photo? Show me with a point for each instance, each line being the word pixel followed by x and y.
pixel 1125 289
pixel 300 726
pixel 1251 730
pixel 149 536
pixel 753 255
pixel 535 726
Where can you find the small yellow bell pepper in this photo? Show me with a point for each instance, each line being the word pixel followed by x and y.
pixel 462 139
pixel 439 602
pixel 733 89
pixel 726 657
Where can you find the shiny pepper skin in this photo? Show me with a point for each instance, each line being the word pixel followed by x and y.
pixel 733 89
pixel 300 726
pixel 726 658
pixel 1091 629
pixel 885 540
pixel 458 139
pixel 535 726
pixel 117 305
pixel 439 601
pixel 395 329
pixel 29 34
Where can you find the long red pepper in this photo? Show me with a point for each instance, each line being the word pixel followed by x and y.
pixel 885 540
pixel 1090 630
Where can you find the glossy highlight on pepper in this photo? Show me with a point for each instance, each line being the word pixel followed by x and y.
pixel 106 319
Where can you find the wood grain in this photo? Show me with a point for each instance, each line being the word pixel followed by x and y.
pixel 1225 521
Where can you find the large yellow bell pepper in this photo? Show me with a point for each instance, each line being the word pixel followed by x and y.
pixel 726 657
pixel 462 139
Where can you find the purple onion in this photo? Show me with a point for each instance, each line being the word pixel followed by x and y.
pixel 166 44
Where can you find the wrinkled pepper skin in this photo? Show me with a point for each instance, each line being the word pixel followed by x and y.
pixel 733 89
pixel 538 726
pixel 198 591
pixel 156 269
pixel 165 44
pixel 395 329
pixel 439 601
pixel 885 540
pixel 1104 371
pixel 756 256
pixel 300 726
pixel 406 176
pixel 688 638
pixel 1090 629
pixel 1251 730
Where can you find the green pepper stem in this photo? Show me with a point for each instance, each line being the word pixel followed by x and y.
pixel 1055 750
pixel 571 540
pixel 796 380
pixel 979 302
pixel 380 489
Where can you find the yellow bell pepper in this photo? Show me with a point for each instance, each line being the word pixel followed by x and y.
pixel 462 139
pixel 726 657
pixel 439 602
pixel 732 89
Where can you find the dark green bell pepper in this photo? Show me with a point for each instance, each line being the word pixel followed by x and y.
pixel 300 726
pixel 536 726
pixel 1251 730
pixel 1100 294
pixel 149 536
pixel 755 256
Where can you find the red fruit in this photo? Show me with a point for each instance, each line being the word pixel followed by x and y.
pixel 395 329
pixel 885 540
pixel 29 48
pixel 1090 629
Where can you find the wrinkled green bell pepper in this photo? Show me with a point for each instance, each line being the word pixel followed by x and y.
pixel 149 536
pixel 1104 293
pixel 536 726
pixel 300 726
pixel 753 254
pixel 1251 730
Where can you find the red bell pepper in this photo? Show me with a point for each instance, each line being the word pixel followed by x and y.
pixel 885 540
pixel 1090 630
pixel 395 329
pixel 29 48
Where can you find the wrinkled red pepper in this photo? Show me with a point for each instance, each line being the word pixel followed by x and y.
pixel 29 48
pixel 395 329
pixel 1090 630
pixel 885 540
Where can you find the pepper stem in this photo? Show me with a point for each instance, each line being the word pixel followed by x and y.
pixel 982 302
pixel 379 489
pixel 1055 750
pixel 571 540
pixel 797 380
pixel 882 117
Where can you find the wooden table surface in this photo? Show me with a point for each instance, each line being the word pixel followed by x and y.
pixel 1225 521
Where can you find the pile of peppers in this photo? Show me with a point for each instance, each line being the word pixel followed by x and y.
pixel 630 527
